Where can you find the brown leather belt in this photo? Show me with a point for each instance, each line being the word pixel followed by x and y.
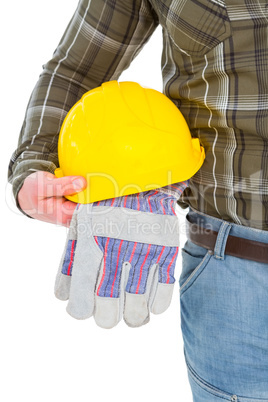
pixel 235 246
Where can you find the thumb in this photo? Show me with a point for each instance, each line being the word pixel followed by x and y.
pixel 57 187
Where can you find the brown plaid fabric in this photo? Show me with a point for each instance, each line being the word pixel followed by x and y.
pixel 214 65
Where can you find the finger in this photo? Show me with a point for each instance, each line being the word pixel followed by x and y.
pixel 150 284
pixel 137 311
pixel 68 208
pixel 142 258
pixel 109 310
pixel 143 274
pixel 63 278
pixel 51 186
pixel 167 262
pixel 162 298
pixel 110 277
pixel 106 313
pixel 109 287
pixel 55 210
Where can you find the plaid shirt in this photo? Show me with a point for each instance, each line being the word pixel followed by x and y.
pixel 214 65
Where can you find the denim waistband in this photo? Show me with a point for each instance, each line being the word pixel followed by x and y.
pixel 212 223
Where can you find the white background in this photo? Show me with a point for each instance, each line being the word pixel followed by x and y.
pixel 45 354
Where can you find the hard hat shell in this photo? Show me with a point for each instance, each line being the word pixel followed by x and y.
pixel 126 139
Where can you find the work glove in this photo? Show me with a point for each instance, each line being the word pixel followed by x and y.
pixel 120 256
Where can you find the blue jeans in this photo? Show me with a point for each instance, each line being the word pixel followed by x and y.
pixel 224 317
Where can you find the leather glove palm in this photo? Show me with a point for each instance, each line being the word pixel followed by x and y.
pixel 120 256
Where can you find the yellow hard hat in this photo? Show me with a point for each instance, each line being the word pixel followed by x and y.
pixel 126 139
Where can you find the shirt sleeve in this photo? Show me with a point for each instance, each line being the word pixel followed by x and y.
pixel 101 40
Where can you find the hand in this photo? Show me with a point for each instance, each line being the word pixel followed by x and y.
pixel 42 196
pixel 120 256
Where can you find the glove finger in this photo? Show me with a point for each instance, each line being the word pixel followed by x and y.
pixel 86 266
pixel 142 258
pixel 137 306
pixel 162 298
pixel 136 312
pixel 63 278
pixel 106 313
pixel 142 276
pixel 167 262
pixel 109 310
pixel 163 295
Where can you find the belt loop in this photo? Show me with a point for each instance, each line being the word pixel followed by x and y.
pixel 222 237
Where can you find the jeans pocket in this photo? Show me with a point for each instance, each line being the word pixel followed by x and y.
pixel 196 27
pixel 205 391
pixel 194 261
